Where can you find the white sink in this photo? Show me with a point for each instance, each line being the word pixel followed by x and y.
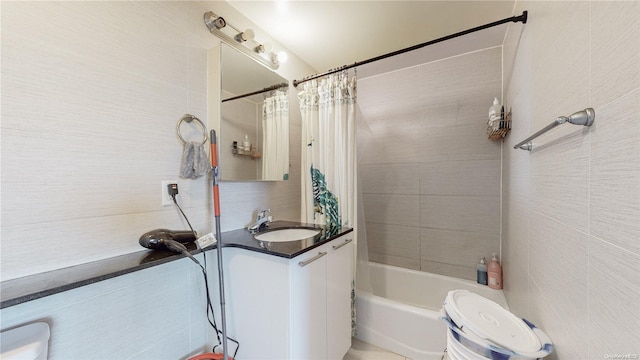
pixel 287 235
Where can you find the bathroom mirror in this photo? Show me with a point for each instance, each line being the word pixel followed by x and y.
pixel 254 125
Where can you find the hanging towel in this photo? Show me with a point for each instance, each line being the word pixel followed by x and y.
pixel 195 162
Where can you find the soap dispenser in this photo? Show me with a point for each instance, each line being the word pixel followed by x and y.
pixel 482 272
pixel 494 271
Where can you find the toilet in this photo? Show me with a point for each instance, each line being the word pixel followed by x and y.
pixel 27 342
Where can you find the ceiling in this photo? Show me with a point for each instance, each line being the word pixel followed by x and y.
pixel 329 34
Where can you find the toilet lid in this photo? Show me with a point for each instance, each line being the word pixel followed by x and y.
pixel 487 319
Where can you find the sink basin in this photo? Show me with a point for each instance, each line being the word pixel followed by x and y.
pixel 282 235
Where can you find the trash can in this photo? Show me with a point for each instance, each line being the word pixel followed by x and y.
pixel 478 329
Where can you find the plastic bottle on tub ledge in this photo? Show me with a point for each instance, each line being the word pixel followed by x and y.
pixel 482 272
pixel 494 271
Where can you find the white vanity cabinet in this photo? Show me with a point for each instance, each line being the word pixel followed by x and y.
pixel 297 308
pixel 321 279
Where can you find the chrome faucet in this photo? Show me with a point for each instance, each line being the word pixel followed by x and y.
pixel 262 221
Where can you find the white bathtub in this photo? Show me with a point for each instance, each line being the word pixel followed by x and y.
pixel 402 313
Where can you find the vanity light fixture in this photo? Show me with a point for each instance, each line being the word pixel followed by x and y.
pixel 245 35
pixel 282 57
pixel 263 48
pixel 212 21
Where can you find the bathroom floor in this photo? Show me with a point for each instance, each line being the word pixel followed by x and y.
pixel 362 351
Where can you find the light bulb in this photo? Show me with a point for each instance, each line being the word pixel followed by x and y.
pixel 263 48
pixel 282 57
pixel 244 36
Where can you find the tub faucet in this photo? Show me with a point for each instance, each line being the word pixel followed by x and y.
pixel 262 221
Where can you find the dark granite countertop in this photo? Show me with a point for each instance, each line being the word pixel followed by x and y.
pixel 17 291
pixel 288 249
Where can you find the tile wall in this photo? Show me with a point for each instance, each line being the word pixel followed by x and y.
pixel 240 119
pixel 91 95
pixel 571 223
pixel 90 101
pixel 156 313
pixel 430 176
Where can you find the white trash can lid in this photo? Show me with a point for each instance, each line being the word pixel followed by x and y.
pixel 490 321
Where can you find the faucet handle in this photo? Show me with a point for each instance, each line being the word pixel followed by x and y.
pixel 262 214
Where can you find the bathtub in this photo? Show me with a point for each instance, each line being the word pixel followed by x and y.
pixel 402 313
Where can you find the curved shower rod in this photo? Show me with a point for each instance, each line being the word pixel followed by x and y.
pixel 584 117
pixel 521 18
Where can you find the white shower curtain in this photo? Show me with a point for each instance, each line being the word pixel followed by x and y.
pixel 275 136
pixel 329 180
pixel 329 151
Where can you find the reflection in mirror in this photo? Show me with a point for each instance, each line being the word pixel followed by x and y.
pixel 254 124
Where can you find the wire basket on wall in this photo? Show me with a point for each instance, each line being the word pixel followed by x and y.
pixel 503 128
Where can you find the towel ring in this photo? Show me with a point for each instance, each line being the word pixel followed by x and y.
pixel 189 118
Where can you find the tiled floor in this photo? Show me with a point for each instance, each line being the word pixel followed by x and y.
pixel 363 351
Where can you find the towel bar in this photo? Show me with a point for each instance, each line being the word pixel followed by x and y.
pixel 584 117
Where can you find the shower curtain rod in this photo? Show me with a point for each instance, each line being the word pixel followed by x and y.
pixel 522 18
pixel 270 88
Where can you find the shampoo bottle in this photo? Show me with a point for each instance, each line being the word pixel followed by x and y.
pixel 246 144
pixel 482 272
pixel 494 271
pixel 495 113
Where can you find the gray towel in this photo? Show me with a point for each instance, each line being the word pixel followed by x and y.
pixel 195 162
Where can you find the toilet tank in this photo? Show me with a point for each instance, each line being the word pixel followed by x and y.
pixel 28 342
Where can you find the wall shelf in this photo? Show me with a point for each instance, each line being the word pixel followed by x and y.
pixel 251 154
pixel 502 131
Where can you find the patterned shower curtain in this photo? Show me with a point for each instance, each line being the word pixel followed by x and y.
pixel 329 150
pixel 329 153
pixel 275 136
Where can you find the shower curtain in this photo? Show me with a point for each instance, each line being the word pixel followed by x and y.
pixel 329 151
pixel 329 183
pixel 275 136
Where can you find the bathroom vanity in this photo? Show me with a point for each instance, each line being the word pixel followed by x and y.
pixel 276 307
pixel 291 299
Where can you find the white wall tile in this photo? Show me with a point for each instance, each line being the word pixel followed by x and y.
pixel 101 320
pixel 571 206
pixel 614 289
pixel 392 209
pixel 560 49
pixel 423 131
pixel 462 248
pixel 465 213
pixel 568 344
pixel 91 100
pixel 394 240
pixel 614 196
pixel 560 279
pixel 390 179
pixel 391 104
pixel 615 55
pixel 470 177
pixel 515 281
pixel 463 272
pixel 408 263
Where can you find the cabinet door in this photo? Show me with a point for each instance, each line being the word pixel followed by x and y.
pixel 339 280
pixel 309 305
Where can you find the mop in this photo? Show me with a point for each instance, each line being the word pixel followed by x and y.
pixel 216 207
